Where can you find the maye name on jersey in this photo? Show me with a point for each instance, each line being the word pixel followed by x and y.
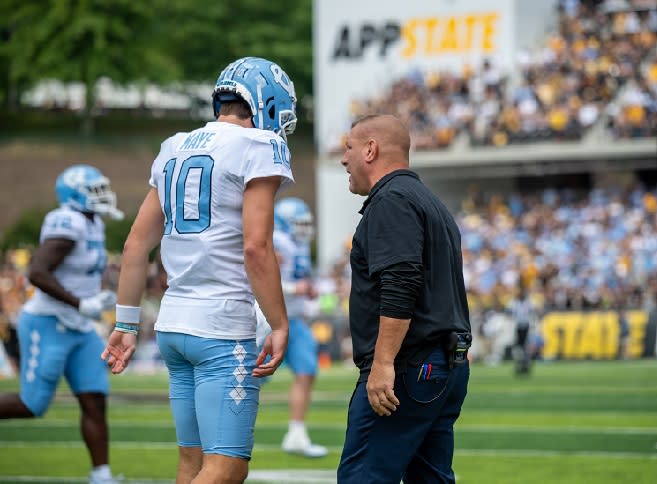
pixel 204 139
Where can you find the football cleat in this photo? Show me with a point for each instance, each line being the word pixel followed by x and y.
pixel 298 442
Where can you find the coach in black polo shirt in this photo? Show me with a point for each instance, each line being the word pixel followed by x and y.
pixel 408 316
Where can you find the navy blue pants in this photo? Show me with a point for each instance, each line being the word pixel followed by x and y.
pixel 416 443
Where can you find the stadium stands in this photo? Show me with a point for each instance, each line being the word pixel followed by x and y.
pixel 598 67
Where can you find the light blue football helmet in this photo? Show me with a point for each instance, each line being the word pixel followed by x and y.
pixel 292 216
pixel 85 188
pixel 265 87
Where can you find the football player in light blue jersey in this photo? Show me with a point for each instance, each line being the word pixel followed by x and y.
pixel 55 327
pixel 293 233
pixel 211 206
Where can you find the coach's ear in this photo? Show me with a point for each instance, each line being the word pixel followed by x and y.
pixel 370 150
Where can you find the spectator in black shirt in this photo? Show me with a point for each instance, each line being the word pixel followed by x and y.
pixel 408 316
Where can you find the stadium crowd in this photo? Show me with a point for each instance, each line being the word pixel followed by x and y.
pixel 573 251
pixel 598 66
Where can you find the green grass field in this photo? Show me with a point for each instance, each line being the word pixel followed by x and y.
pixel 569 422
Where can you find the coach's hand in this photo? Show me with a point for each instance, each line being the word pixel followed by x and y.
pixel 120 348
pixel 380 389
pixel 275 347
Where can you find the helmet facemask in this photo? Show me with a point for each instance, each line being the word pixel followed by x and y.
pixel 102 200
pixel 287 120
pixel 303 229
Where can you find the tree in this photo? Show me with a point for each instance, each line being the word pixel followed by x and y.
pixel 206 36
pixel 83 40
pixel 25 231
pixel 158 41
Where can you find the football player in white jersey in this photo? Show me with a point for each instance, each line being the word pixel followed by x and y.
pixel 211 205
pixel 55 327
pixel 293 232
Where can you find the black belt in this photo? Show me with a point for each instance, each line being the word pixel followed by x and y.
pixel 454 343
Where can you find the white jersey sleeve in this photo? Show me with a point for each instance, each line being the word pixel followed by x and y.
pixel 200 178
pixel 63 223
pixel 267 155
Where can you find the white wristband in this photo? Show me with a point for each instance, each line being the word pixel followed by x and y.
pixel 128 314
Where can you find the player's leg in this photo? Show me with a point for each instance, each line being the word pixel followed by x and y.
pixel 227 398
pixel 11 406
pixel 522 357
pixel 302 359
pixel 190 462
pixel 87 375
pixel 12 349
pixel 300 395
pixel 221 469
pixel 181 397
pixel 44 347
pixel 93 426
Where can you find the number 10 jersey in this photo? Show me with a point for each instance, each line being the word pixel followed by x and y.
pixel 200 178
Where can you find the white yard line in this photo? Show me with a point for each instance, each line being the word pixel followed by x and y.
pixel 570 429
pixel 277 448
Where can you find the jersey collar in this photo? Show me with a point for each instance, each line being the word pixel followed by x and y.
pixel 385 179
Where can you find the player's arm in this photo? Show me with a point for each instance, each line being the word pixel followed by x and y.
pixel 45 260
pixel 291 286
pixel 262 267
pixel 145 233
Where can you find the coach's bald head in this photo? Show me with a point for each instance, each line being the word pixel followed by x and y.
pixel 390 134
pixel 376 145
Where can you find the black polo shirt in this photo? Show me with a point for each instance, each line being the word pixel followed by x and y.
pixel 403 221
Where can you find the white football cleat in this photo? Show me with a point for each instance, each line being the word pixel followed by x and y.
pixel 299 443
pixel 105 479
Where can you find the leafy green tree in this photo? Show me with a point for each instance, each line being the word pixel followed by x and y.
pixel 25 231
pixel 83 40
pixel 116 232
pixel 205 36
pixel 156 41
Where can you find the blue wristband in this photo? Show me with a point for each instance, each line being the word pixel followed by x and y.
pixel 126 328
